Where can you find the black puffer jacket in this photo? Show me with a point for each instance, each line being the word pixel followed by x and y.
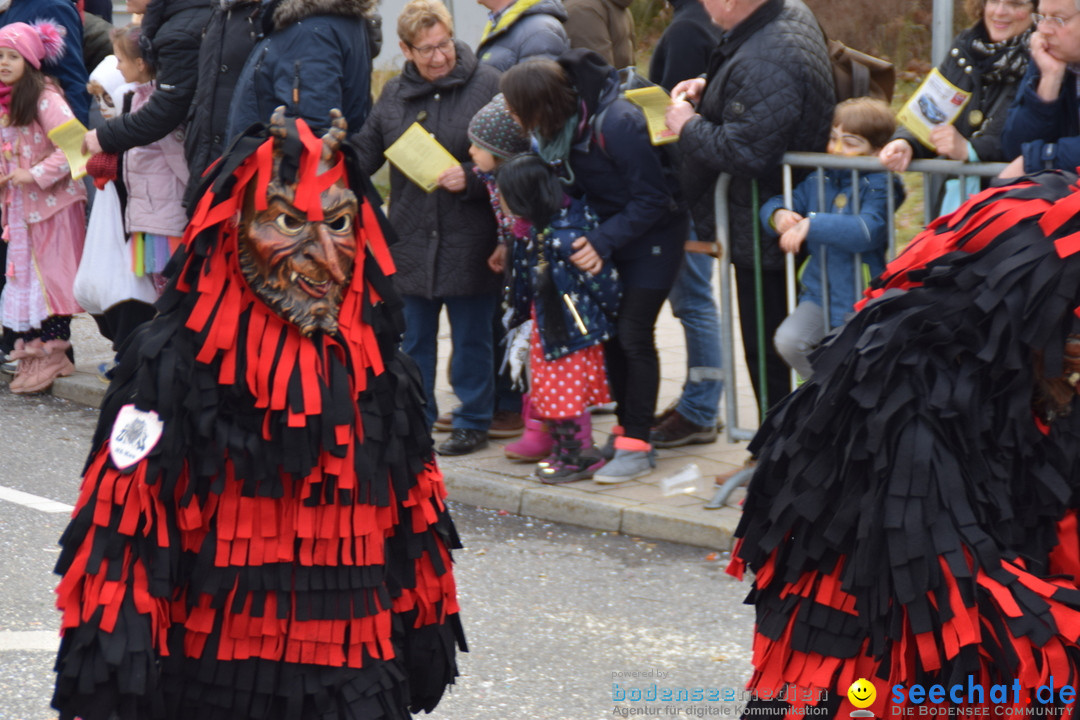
pixel 769 91
pixel 227 41
pixel 444 239
pixel 174 27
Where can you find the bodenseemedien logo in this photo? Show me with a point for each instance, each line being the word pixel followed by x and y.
pixel 862 695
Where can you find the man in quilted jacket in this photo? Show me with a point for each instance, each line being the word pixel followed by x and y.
pixel 768 90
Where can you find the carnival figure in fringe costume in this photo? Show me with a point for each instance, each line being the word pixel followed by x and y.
pixel 913 517
pixel 261 530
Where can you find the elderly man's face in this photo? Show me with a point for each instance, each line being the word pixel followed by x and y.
pixel 726 14
pixel 1063 40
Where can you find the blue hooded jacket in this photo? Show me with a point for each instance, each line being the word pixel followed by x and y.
pixel 595 297
pixel 841 233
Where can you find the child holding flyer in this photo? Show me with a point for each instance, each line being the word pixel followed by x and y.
pixel 44 210
pixel 836 233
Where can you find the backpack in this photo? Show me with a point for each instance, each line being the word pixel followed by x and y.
pixel 631 79
pixel 856 74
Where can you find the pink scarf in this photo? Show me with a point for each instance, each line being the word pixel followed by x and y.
pixel 5 97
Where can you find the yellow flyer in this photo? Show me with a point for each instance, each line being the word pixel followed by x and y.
pixel 69 137
pixel 653 102
pixel 420 157
pixel 937 101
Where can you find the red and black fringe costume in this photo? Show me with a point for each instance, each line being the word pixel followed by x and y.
pixel 911 519
pixel 283 552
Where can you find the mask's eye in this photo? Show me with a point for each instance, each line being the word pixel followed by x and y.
pixel 290 224
pixel 340 224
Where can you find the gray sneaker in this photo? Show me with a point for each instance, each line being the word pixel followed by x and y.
pixel 626 465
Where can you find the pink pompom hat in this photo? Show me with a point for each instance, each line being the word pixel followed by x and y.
pixel 41 41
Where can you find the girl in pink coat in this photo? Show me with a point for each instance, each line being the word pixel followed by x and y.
pixel 43 211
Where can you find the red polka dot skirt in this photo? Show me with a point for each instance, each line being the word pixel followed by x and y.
pixel 566 387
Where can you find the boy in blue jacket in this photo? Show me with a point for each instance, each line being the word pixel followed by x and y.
pixel 840 232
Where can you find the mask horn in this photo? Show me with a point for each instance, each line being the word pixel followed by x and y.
pixel 277 123
pixel 335 135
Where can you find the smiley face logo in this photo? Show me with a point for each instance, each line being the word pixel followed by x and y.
pixel 862 693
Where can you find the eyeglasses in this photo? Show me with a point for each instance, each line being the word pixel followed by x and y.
pixel 427 51
pixel 1054 22
pixel 1013 5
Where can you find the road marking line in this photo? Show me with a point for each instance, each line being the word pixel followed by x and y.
pixel 29 640
pixel 34 502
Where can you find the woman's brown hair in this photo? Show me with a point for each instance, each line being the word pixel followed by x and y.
pixel 974 8
pixel 540 95
pixel 25 95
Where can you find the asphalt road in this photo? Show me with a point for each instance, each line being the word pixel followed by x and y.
pixel 563 623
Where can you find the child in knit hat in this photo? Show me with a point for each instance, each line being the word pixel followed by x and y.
pixel 496 137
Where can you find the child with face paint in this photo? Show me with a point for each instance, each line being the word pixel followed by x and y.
pixel 852 224
pixel 43 210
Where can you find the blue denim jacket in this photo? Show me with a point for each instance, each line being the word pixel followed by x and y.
pixel 544 276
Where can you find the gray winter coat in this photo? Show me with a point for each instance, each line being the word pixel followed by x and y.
pixel 444 239
pixel 769 91
pixel 528 28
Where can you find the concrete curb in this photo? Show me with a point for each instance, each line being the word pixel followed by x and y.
pixel 558 503
pixel 567 504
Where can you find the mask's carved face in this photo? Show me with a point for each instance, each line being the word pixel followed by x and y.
pixel 1055 395
pixel 301 268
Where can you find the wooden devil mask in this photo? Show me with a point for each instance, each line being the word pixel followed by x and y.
pixel 298 239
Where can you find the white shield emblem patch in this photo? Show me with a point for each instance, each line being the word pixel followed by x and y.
pixel 134 435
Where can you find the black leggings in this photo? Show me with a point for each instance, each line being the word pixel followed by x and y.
pixel 54 327
pixel 633 365
pixel 120 320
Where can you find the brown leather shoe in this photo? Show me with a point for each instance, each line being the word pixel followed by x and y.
pixel 676 431
pixel 506 424
pixel 444 423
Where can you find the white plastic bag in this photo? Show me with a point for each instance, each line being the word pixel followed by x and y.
pixel 105 276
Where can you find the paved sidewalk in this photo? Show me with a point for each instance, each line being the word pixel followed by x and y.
pixel 488 479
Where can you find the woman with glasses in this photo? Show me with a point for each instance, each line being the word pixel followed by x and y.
pixel 315 56
pixel 988 60
pixel 1043 129
pixel 444 237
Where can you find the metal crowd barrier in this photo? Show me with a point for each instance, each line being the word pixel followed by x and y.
pixel 820 162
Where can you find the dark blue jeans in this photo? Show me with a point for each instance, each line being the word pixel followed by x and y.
pixel 472 374
pixel 694 303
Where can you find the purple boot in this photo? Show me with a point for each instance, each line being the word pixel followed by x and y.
pixel 576 457
pixel 536 443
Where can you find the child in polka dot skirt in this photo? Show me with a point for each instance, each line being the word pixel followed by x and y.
pixel 573 313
